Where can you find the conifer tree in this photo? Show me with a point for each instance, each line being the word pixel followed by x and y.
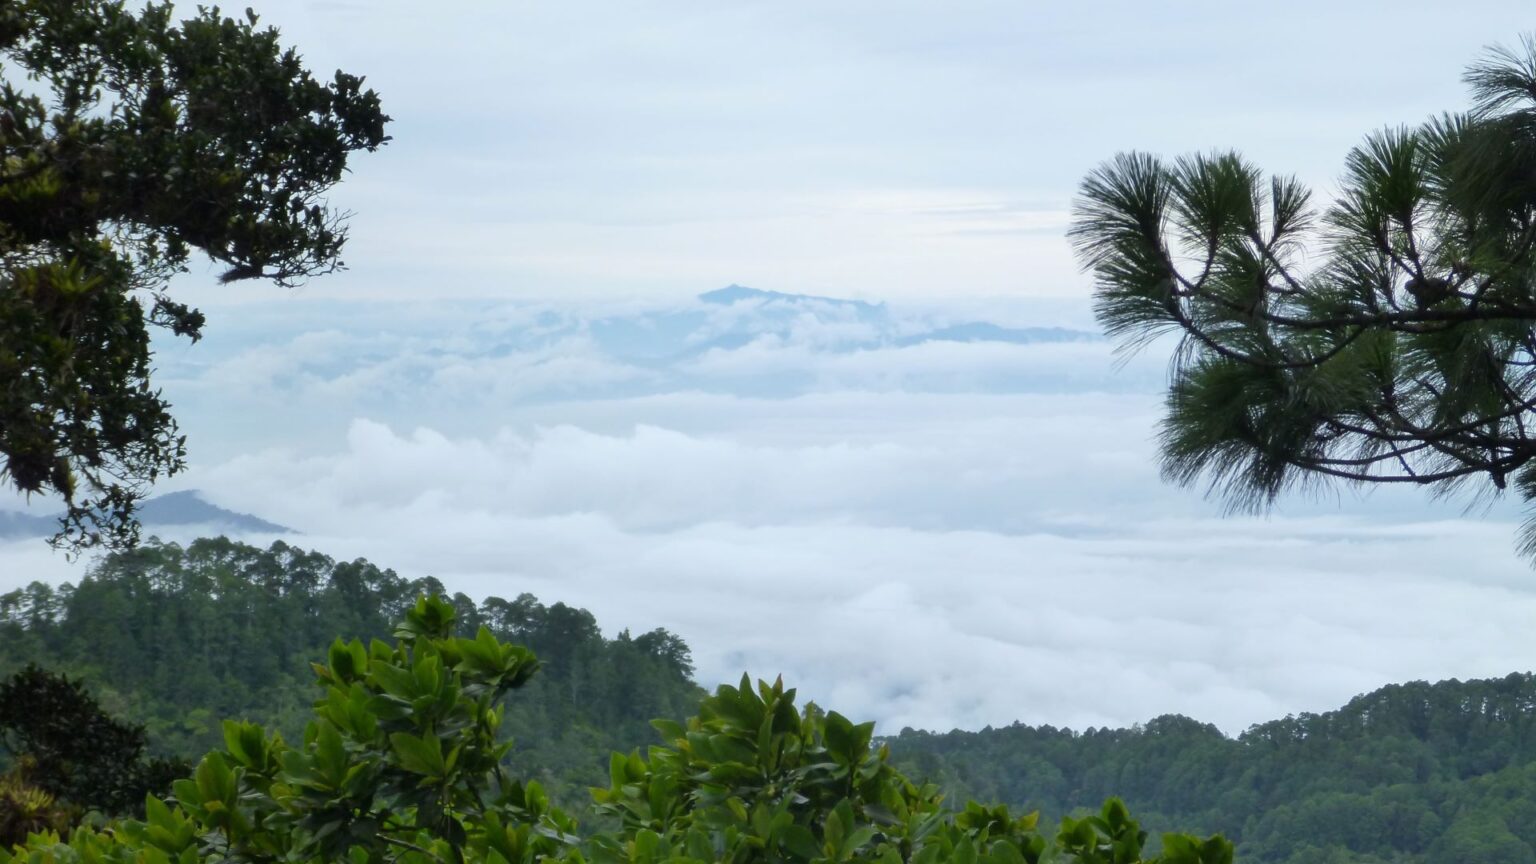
pixel 1385 338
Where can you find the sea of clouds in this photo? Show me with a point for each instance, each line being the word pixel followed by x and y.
pixel 926 515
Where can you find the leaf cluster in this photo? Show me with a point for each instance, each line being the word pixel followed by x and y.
pixel 752 778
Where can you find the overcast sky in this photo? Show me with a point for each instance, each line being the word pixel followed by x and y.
pixel 872 149
pixel 924 533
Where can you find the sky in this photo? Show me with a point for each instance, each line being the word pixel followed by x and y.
pixel 516 387
pixel 869 149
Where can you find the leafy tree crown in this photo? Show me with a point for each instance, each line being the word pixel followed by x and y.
pixel 133 143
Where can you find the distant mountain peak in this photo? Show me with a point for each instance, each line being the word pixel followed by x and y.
pixel 190 508
pixel 734 293
pixel 171 510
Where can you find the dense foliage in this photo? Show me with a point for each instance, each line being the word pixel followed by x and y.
pixel 1408 773
pixel 129 142
pixel 1390 340
pixel 57 740
pixel 179 638
pixel 403 763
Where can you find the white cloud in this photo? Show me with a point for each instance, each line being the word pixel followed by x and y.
pixel 928 585
pixel 26 561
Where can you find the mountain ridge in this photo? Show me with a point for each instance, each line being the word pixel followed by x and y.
pixel 1412 772
pixel 171 510
pixel 734 293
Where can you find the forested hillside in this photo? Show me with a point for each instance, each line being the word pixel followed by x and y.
pixel 181 638
pixel 1416 772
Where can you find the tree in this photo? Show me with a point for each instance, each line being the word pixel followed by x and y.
pixel 667 646
pixel 1481 838
pixel 135 143
pixel 61 742
pixel 1388 339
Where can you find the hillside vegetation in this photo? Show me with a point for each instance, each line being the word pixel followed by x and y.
pixel 181 638
pixel 1414 772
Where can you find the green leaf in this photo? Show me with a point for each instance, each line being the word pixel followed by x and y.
pixel 701 849
pixel 855 841
pixel 833 831
pixel 618 770
pixel 1004 852
pixel 215 781
pixel 330 756
pixel 156 814
pixel 965 852
pixel 797 840
pixel 419 755
pixel 670 730
pixel 385 675
pixel 839 735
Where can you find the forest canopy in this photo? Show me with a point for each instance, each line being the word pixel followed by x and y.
pixel 180 638
pixel 1408 773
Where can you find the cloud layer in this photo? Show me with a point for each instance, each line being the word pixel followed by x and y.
pixel 933 534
